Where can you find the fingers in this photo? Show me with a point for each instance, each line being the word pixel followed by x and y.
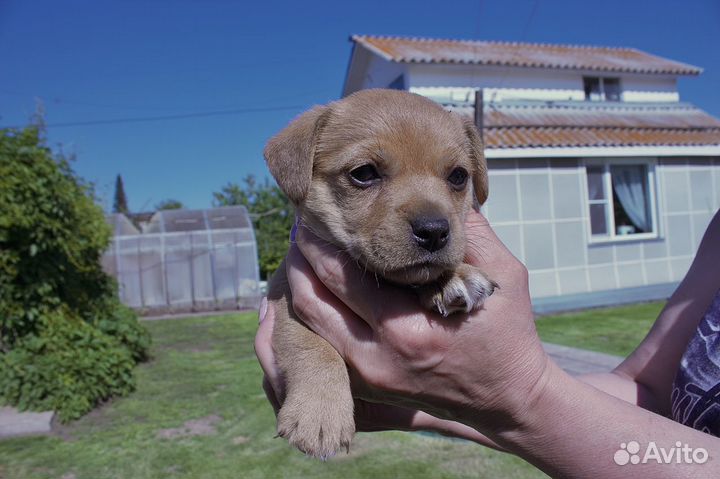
pixel 322 311
pixel 265 354
pixel 270 394
pixel 365 293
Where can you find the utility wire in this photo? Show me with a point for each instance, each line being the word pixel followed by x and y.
pixel 63 101
pixel 139 119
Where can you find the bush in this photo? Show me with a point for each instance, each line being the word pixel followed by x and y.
pixel 67 366
pixel 65 340
pixel 123 325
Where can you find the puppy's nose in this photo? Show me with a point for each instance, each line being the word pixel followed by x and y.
pixel 431 233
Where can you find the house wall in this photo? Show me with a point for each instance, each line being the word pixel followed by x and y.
pixel 458 82
pixel 441 82
pixel 371 71
pixel 538 207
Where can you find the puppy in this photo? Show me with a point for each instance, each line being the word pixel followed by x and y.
pixel 388 177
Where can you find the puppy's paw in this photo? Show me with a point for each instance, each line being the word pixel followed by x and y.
pixel 317 423
pixel 464 289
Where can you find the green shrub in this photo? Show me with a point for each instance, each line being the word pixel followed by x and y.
pixel 122 324
pixel 67 366
pixel 66 342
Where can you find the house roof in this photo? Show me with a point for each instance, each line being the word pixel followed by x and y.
pixel 511 124
pixel 536 55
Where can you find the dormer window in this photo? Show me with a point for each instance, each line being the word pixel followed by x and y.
pixel 602 89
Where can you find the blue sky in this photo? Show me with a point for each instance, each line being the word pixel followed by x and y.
pixel 132 59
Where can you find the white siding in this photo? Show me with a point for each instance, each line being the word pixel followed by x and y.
pixel 448 82
pixel 372 71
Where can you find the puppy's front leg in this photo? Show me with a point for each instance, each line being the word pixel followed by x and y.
pixel 317 412
pixel 464 289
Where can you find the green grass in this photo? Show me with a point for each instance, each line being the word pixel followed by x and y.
pixel 610 330
pixel 206 368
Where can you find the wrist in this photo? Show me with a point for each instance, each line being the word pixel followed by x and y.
pixel 522 394
pixel 527 420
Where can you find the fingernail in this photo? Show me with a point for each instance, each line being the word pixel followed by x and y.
pixel 263 309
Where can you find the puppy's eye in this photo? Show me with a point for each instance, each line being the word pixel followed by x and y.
pixel 458 178
pixel 364 176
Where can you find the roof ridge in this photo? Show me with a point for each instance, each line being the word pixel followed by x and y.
pixel 497 42
pixel 418 49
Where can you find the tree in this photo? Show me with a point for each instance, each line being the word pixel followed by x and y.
pixel 120 203
pixel 66 342
pixel 272 215
pixel 169 204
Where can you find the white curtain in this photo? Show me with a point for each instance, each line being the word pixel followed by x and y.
pixel 629 184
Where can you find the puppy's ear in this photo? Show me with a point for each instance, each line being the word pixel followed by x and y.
pixel 289 154
pixel 480 175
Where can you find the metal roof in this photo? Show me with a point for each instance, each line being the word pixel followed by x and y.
pixel 226 217
pixel 586 124
pixel 532 55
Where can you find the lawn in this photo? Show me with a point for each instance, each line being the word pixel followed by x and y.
pixel 609 330
pixel 199 412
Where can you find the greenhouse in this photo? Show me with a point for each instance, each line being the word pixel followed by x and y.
pixel 186 260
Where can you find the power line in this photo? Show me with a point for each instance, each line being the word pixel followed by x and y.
pixel 139 119
pixel 64 101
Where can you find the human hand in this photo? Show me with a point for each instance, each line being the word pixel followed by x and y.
pixel 481 369
pixel 369 416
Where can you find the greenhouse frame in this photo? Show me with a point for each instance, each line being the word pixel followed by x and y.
pixel 186 260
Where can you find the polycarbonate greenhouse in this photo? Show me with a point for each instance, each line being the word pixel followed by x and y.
pixel 186 260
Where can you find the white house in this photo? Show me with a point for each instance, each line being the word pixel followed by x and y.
pixel 601 180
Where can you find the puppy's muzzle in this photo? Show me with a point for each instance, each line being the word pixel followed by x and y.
pixel 431 234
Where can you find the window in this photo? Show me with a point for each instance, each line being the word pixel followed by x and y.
pixel 621 200
pixel 602 89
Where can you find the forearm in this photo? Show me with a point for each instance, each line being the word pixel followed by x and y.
pixel 574 430
pixel 425 422
pixel 612 383
pixel 622 386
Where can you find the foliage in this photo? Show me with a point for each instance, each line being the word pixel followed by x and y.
pixel 169 204
pixel 120 204
pixel 67 366
pixel 272 215
pixel 122 324
pixel 55 299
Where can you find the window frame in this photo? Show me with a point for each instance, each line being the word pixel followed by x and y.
pixel 601 84
pixel 612 236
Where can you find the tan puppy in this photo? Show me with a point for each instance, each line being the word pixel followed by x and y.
pixel 388 176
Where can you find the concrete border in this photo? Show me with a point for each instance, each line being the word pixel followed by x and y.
pixel 612 297
pixel 14 423
pixel 581 361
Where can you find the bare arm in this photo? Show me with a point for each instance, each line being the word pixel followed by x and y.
pixel 645 377
pixel 570 429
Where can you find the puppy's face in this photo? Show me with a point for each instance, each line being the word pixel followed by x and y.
pixel 386 175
